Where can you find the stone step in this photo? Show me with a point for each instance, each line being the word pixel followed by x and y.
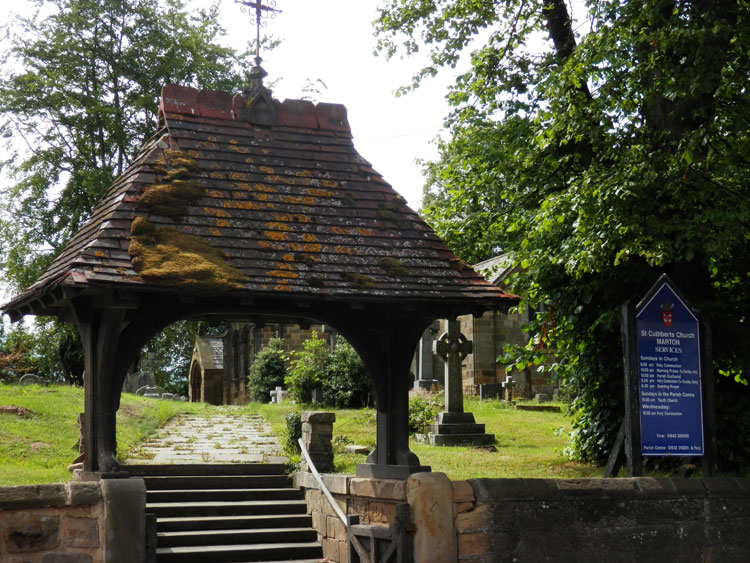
pixel 167 482
pixel 239 553
pixel 219 508
pixel 461 439
pixel 233 537
pixel 213 495
pixel 475 428
pixel 203 469
pixel 192 523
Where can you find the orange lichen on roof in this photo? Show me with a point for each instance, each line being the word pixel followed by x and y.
pixel 304 174
pixel 238 176
pixel 277 226
pixel 266 169
pixel 329 183
pixel 265 188
pixel 286 274
pixel 363 232
pixel 276 235
pixel 247 205
pixel 216 212
pixel 318 192
pixel 339 231
pixel 288 257
pixel 216 175
pixel 294 200
pixel 222 223
pixel 286 217
pixel 312 247
pixel 276 179
pixel 346 250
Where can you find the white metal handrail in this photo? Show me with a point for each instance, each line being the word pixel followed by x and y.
pixel 319 479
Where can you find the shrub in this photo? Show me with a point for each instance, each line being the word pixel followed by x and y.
pixel 267 371
pixel 308 369
pixel 293 432
pixel 422 412
pixel 346 382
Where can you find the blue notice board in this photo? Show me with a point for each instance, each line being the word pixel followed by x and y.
pixel 669 375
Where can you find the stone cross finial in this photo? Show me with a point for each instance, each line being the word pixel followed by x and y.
pixel 258 10
pixel 453 347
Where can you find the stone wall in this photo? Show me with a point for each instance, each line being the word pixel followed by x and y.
pixel 76 522
pixel 613 520
pixel 374 500
pixel 582 521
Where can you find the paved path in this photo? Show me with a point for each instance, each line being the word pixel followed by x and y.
pixel 220 438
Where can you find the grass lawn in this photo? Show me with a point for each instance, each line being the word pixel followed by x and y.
pixel 38 448
pixel 529 443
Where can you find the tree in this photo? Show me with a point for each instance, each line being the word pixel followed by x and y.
pixel 78 97
pixel 599 159
pixel 346 382
pixel 307 368
pixel 169 354
pixel 268 370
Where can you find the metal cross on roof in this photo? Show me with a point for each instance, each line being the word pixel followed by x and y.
pixel 258 10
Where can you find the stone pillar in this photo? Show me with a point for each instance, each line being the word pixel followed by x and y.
pixel 124 520
pixel 430 496
pixel 317 433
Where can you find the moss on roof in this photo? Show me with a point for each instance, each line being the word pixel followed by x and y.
pixel 165 256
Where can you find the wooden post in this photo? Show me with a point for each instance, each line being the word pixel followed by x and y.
pixel 632 422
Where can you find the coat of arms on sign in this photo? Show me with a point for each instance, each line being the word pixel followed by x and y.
pixel 666 313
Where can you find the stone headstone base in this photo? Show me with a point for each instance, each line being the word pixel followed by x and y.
pixel 457 429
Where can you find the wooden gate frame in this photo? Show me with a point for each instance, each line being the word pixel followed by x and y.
pixel 381 544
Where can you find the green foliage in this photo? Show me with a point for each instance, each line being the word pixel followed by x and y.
pixel 46 347
pixel 293 432
pixel 599 156
pixel 341 375
pixel 346 381
pixel 268 370
pixel 307 369
pixel 169 353
pixel 78 97
pixel 422 412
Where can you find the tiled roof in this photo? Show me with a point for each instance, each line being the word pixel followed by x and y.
pixel 290 206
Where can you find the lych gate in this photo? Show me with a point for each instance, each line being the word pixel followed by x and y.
pixel 242 207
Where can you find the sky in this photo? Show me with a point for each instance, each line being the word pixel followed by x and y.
pixel 333 41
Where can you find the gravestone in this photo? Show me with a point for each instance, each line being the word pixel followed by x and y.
pixel 426 360
pixel 31 379
pixel 454 427
pixel 277 395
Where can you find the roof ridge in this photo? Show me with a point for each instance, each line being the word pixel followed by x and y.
pixel 217 104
